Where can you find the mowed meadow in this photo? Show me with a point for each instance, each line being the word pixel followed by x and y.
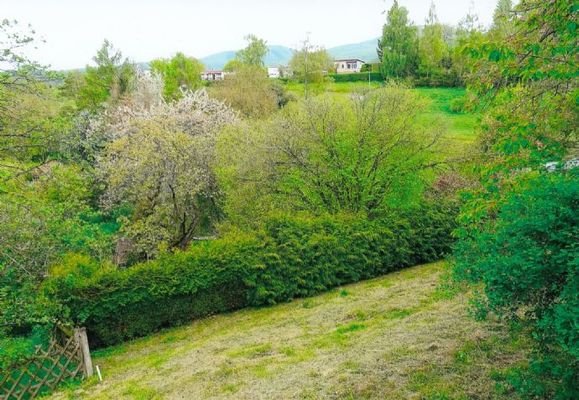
pixel 406 335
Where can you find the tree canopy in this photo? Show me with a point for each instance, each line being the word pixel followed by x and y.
pixel 516 240
pixel 328 156
pixel 179 73
pixel 159 166
pixel 110 78
pixel 254 53
pixel 310 64
pixel 398 47
pixel 432 48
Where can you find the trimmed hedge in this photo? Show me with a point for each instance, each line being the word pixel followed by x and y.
pixel 358 77
pixel 291 257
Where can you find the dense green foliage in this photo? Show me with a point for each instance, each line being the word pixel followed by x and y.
pixel 179 73
pixel 398 47
pixel 439 78
pixel 433 55
pixel 367 153
pixel 360 77
pixel 249 91
pixel 518 234
pixel 253 54
pixel 290 257
pixel 111 78
pixel 14 350
pixel 108 178
pixel 432 48
pixel 310 65
pixel 528 261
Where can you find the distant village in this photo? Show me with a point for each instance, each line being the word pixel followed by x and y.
pixel 342 66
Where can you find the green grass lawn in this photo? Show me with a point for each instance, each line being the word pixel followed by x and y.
pixel 460 127
pixel 402 336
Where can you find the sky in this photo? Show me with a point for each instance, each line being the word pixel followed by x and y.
pixel 73 30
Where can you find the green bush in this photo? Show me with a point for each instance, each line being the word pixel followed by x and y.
pixel 458 105
pixel 290 257
pixel 358 77
pixel 16 349
pixel 527 260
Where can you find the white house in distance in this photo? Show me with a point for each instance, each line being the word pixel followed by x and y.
pixel 274 72
pixel 213 75
pixel 348 65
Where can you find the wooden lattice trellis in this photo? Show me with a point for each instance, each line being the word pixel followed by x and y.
pixel 67 356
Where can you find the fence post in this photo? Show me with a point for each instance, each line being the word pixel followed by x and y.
pixel 82 339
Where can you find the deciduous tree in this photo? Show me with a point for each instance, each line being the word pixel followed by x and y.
pixel 310 65
pixel 248 90
pixel 159 166
pixel 254 53
pixel 517 236
pixel 179 73
pixel 327 155
pixel 432 47
pixel 111 78
pixel 398 47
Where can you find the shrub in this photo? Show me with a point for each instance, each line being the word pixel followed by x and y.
pixel 458 104
pixel 17 349
pixel 527 260
pixel 170 290
pixel 248 91
pixel 289 258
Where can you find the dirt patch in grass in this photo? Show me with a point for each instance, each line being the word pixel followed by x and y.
pixel 400 336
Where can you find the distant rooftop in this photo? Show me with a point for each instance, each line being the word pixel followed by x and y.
pixel 348 60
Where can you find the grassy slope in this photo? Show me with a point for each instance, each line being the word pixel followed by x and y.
pixel 400 336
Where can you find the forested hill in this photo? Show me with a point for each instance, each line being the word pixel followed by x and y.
pixel 280 55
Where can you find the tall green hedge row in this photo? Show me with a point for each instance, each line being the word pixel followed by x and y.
pixel 358 77
pixel 290 257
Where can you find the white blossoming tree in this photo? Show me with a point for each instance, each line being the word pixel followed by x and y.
pixel 158 166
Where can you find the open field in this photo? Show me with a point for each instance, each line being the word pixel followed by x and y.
pixel 402 336
pixel 460 126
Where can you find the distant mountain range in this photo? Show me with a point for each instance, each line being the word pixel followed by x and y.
pixel 281 55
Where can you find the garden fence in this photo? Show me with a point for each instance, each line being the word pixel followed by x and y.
pixel 66 357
